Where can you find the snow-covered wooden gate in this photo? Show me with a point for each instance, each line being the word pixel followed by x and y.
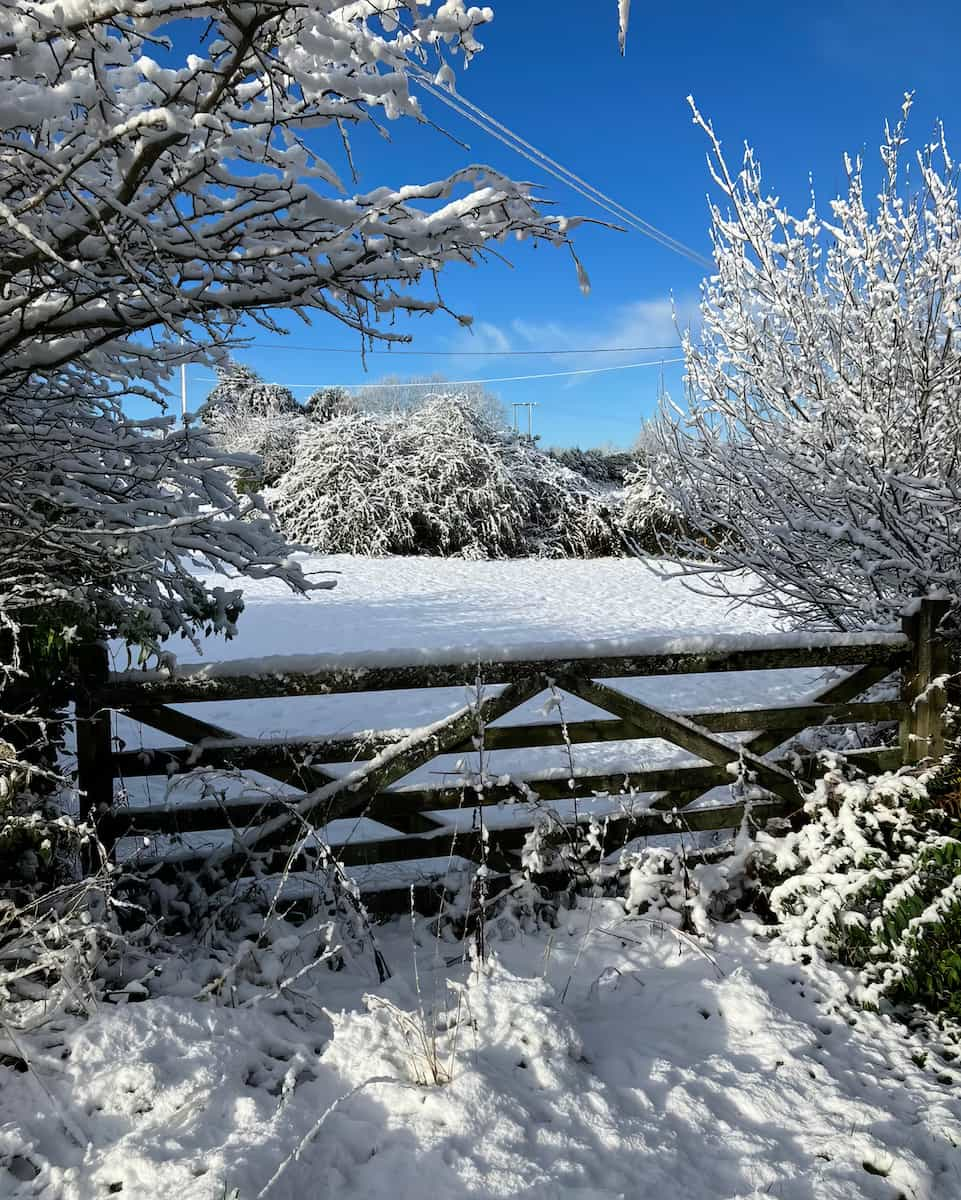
pixel 369 785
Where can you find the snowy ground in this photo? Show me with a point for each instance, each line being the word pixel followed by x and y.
pixel 473 610
pixel 603 1060
pixel 413 607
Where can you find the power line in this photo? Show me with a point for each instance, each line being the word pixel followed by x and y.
pixel 466 353
pixel 463 382
pixel 490 125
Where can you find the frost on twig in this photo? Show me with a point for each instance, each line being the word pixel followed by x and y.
pixel 819 449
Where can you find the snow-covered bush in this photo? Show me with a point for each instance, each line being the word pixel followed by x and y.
pixel 344 492
pixel 394 394
pixel 820 448
pixel 873 879
pixel 438 479
pixel 601 466
pixel 570 515
pixel 102 519
pixel 649 517
pixel 247 416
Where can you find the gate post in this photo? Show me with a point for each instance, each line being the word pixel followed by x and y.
pixel 924 684
pixel 94 746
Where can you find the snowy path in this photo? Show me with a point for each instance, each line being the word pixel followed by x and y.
pixel 654 1076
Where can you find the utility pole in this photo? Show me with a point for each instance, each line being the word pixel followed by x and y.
pixel 530 405
pixel 183 388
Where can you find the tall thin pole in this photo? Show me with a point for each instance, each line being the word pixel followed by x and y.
pixel 183 391
pixel 530 405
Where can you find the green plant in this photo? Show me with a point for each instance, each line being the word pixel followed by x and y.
pixel 874 881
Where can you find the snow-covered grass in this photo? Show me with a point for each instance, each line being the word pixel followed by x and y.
pixel 602 1059
pixel 416 603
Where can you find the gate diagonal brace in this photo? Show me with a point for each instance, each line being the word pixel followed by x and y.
pixel 195 732
pixel 647 721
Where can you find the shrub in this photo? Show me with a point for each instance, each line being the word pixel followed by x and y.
pixel 874 881
pixel 250 417
pixel 439 479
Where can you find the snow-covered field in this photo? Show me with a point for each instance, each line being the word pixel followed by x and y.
pixel 602 1060
pixel 409 609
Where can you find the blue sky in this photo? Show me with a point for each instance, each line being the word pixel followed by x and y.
pixel 802 83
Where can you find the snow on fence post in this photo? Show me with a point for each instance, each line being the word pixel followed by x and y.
pixel 94 745
pixel 924 685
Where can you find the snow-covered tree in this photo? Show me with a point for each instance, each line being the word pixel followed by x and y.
pixel 393 394
pixel 329 402
pixel 161 166
pixel 650 518
pixel 821 446
pixel 438 479
pixel 101 518
pixel 162 178
pixel 241 389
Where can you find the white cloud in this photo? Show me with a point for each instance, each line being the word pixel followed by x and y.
pixel 647 323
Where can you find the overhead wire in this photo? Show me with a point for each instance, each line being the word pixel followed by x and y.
pixel 490 125
pixel 466 353
pixel 463 382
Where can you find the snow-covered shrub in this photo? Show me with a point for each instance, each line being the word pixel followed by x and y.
pixel 247 416
pixel 663 884
pixel 819 450
pixel 873 879
pixel 438 479
pixel 394 394
pixel 38 845
pixel 473 503
pixel 329 402
pixel 649 516
pixel 349 490
pixel 570 515
pixel 600 466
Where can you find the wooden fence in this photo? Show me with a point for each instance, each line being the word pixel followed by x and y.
pixel 378 761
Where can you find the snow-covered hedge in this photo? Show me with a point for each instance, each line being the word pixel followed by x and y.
pixel 649 516
pixel 436 480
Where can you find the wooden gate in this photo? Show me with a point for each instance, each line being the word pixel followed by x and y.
pixel 369 786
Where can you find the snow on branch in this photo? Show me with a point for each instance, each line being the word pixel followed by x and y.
pixel 820 449
pixel 161 166
pixel 162 177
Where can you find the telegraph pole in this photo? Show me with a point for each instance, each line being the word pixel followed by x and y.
pixel 183 388
pixel 530 405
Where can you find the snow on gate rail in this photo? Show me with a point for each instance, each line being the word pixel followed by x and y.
pixel 641 763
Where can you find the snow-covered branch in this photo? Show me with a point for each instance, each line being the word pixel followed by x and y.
pixel 820 450
pixel 159 164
